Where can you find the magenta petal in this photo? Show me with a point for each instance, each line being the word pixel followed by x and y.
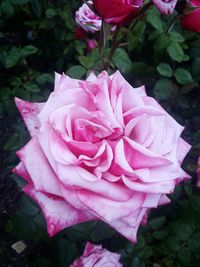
pixel 39 168
pixel 128 226
pixel 183 149
pixel 103 206
pixel 140 157
pixel 29 112
pixel 21 170
pixel 95 255
pixel 58 213
pixel 165 187
pixel 165 6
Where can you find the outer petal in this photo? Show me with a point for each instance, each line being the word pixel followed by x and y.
pixel 165 6
pixel 108 209
pixel 58 213
pixel 21 170
pixel 129 225
pixel 182 150
pixel 37 165
pixel 29 112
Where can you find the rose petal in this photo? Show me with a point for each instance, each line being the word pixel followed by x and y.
pixel 29 112
pixel 58 213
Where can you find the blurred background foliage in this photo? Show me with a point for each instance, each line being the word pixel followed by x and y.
pixel 37 38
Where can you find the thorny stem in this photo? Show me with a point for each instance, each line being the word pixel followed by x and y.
pixel 115 41
pixel 115 45
pixel 172 23
pixel 142 12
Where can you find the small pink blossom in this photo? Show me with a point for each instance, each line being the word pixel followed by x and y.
pixel 87 19
pixel 91 44
pixel 100 150
pixel 165 6
pixel 96 256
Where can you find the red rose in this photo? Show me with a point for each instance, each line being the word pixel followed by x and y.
pixel 191 20
pixel 117 11
pixel 79 33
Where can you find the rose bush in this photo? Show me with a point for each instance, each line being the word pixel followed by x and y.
pixel 100 150
pixel 191 19
pixel 165 6
pixel 87 19
pixel 96 256
pixel 117 11
pixel 198 171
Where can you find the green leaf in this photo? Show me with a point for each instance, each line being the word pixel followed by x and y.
pixel 7 8
pixel 135 262
pixel 159 234
pixel 87 62
pixel 171 243
pixel 139 29
pixel 31 87
pixel 28 50
pixel 76 72
pixel 141 68
pixel 157 223
pixel 194 243
pixel 175 51
pixel 185 57
pixel 161 42
pixel 80 232
pixel 122 61
pixel 11 142
pixel 50 13
pixel 65 251
pixel 102 231
pixel 164 70
pixel 181 230
pixel 183 76
pixel 176 37
pixel 153 17
pixel 184 257
pixel 37 8
pixel 165 89
pixel 27 206
pixel 19 2
pixel 28 227
pixel 196 67
pixel 12 58
pixel 44 78
pixel 145 253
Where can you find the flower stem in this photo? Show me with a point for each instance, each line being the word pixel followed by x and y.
pixel 172 23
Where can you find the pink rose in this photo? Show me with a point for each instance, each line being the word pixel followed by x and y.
pixel 96 256
pixel 117 11
pixel 87 19
pixel 100 150
pixel 191 19
pixel 165 6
